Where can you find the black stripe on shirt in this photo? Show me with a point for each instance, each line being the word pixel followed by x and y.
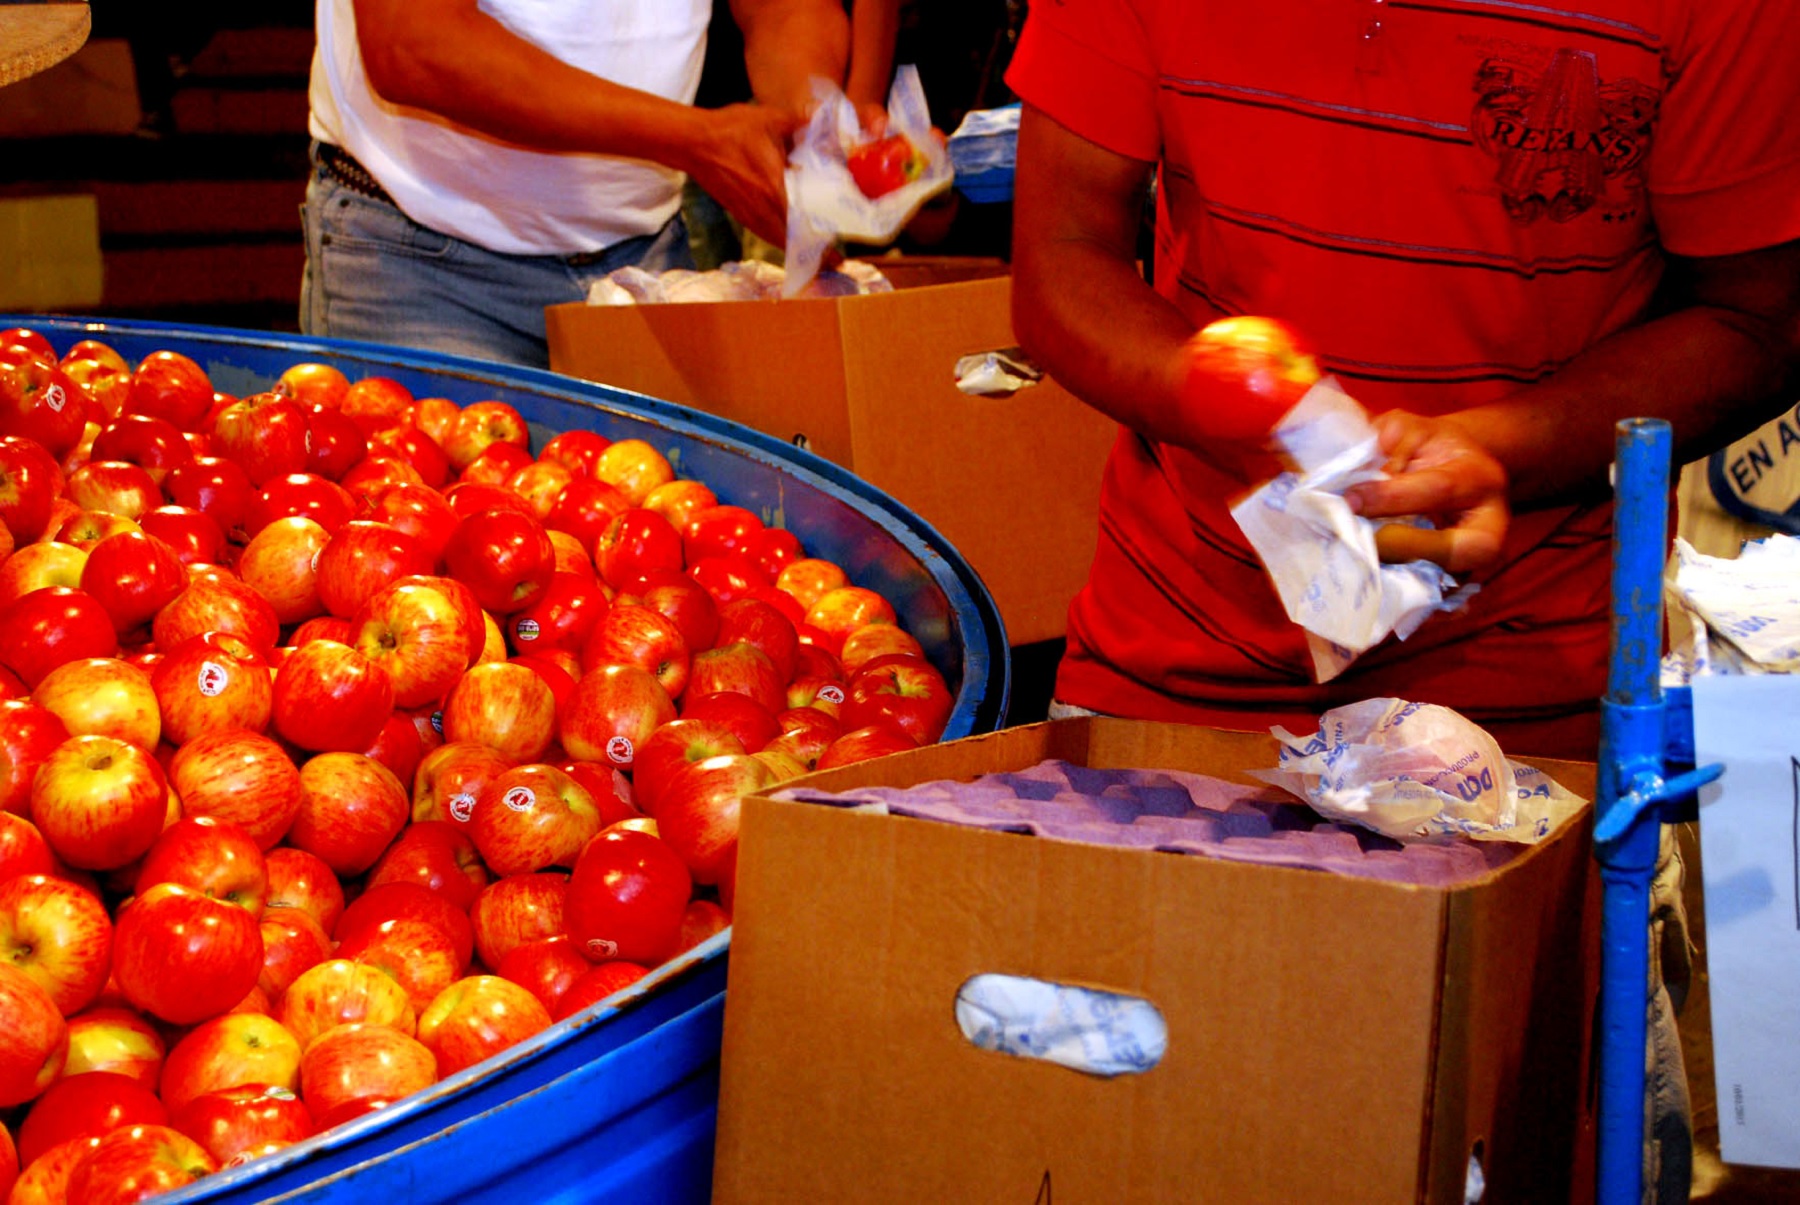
pixel 1542 17
pixel 1300 107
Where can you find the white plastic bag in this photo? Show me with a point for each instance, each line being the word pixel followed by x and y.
pixel 824 203
pixel 1412 770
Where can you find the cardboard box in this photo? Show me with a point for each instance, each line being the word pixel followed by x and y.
pixel 1013 483
pixel 49 253
pixel 1330 1038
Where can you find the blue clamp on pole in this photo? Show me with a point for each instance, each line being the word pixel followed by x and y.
pixel 1650 790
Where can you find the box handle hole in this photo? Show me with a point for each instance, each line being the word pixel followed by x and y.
pixel 1097 1032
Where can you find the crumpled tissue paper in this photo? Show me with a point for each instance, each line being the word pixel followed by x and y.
pixel 1321 554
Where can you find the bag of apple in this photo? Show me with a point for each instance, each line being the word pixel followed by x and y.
pixel 844 185
pixel 346 743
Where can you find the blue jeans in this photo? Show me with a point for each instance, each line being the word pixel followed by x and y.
pixel 373 273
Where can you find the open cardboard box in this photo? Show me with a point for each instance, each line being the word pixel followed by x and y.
pixel 868 382
pixel 1330 1038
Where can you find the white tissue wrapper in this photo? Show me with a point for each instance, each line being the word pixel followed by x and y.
pixel 1412 770
pixel 1321 554
pixel 824 203
pixel 1101 1033
pixel 1746 609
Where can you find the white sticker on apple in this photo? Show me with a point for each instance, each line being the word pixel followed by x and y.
pixel 528 629
pixel 832 694
pixel 519 799
pixel 55 398
pixel 601 949
pixel 213 678
pixel 462 806
pixel 620 750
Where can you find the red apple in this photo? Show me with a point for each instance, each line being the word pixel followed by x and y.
pixel 239 776
pixel 517 909
pixel 672 747
pixel 46 1181
pixel 360 559
pixel 504 556
pixel 136 1162
pixel 195 538
pixel 331 698
pixel 419 450
pixel 86 1106
pixel 753 721
pixel 51 626
pixel 216 488
pixel 30 483
pixel 337 442
pixel 37 1038
pixel 1242 374
pixel 479 426
pixel 740 668
pixel 59 935
pixel 39 401
pixel 540 482
pixel 837 613
pixel 420 957
pixel 217 601
pixel 293 941
pixel 313 384
pixel 451 777
pixel 133 576
pixel 114 486
pixel 508 708
pixel 102 696
pixel 99 802
pixel 115 1039
pixel 636 543
pixel 697 813
pixel 438 855
pixel 230 1051
pixel 476 1018
pixel 266 433
pixel 759 623
pixel 351 809
pixel 607 785
pixel 630 634
pixel 301 880
pixel 416 633
pixel 861 744
pixel 376 403
pixel 912 697
pixel 23 850
pixel 584 509
pixel 209 683
pixel 183 957
pixel 626 897
pixel 420 512
pixel 28 735
pixel 602 981
pixel 37 566
pixel 328 503
pixel 546 968
pixel 634 468
pixel 169 385
pixel 720 530
pixel 278 563
pixel 533 817
pixel 410 902
pixel 236 1124
pixel 614 710
pixel 577 450
pixel 362 1060
pixel 214 857
pixel 341 992
pixel 562 617
pixel 727 578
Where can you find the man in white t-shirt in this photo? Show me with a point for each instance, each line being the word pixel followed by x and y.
pixel 477 160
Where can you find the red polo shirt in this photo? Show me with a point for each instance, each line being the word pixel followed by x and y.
pixel 1452 198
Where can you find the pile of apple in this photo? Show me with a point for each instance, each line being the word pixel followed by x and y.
pixel 344 743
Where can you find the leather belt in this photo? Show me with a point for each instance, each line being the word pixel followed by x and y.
pixel 342 165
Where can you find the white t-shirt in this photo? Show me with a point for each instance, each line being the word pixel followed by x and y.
pixel 498 195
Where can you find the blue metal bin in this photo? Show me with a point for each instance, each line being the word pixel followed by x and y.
pixel 619 1101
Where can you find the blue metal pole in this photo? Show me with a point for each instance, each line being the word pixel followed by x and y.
pixel 1629 825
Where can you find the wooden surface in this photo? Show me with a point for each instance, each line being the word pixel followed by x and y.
pixel 36 36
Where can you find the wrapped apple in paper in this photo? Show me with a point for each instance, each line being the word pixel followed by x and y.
pixel 843 184
pixel 1417 771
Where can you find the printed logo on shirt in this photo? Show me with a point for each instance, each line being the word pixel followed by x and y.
pixel 1562 137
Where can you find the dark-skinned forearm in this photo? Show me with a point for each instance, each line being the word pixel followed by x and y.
pixel 787 43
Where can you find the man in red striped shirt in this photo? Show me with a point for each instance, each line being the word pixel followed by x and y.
pixel 1505 225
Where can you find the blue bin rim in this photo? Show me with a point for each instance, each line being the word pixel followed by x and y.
pixel 227 1180
pixel 985 663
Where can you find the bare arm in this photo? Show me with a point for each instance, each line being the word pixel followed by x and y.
pixel 874 25
pixel 787 43
pixel 449 58
pixel 1714 367
pixel 1080 305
